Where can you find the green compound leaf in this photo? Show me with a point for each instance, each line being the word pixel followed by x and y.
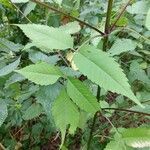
pixel 102 69
pixel 41 73
pixel 82 96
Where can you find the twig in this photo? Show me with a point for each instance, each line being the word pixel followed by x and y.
pixel 103 136
pixel 59 53
pixel 68 15
pixel 56 137
pixel 21 12
pixel 19 130
pixel 2 147
pixel 112 124
pixel 127 110
pixel 119 16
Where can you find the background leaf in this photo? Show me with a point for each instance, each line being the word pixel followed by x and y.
pixel 47 95
pixel 147 24
pixel 122 45
pixel 138 5
pixel 3 111
pixel 58 1
pixel 13 79
pixel 33 111
pixel 130 138
pixel 137 137
pixel 65 112
pixel 6 3
pixel 37 56
pixel 9 68
pixel 30 6
pixel 8 46
pixel 137 73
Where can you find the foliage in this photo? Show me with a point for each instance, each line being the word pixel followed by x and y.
pixel 133 137
pixel 41 73
pixel 50 38
pixel 101 65
pixel 74 72
pixel 3 111
pixel 69 115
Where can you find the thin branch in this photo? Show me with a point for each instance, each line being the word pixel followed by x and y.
pixel 112 124
pixel 59 53
pixel 119 16
pixel 68 15
pixel 126 110
pixel 20 129
pixel 94 121
pixel 21 12
pixel 2 147
pixel 104 136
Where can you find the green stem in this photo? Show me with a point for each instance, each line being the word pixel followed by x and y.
pixel 107 24
pixel 108 16
pixel 94 121
pixel 107 28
